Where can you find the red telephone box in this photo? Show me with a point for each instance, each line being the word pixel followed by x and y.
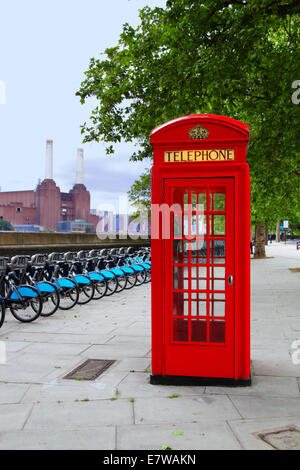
pixel 200 243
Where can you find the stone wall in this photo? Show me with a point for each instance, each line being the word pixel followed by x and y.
pixel 12 243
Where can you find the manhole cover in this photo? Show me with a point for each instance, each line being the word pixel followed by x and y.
pixel 286 438
pixel 89 369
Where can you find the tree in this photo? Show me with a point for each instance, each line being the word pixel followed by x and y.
pixel 5 225
pixel 237 58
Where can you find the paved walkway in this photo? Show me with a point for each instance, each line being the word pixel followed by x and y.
pixel 121 410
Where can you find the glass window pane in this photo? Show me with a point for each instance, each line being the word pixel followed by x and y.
pixel 198 277
pixel 217 278
pixel 199 251
pixel 201 224
pixel 218 202
pixel 177 251
pixel 217 331
pixel 217 305
pixel 180 277
pixel 180 303
pixel 198 224
pixel 198 201
pixel 180 329
pixel 217 225
pixel 201 202
pixel 217 251
pixel 198 330
pixel 186 251
pixel 194 225
pixel 186 224
pixel 175 277
pixel 194 202
pixel 177 225
pixel 198 304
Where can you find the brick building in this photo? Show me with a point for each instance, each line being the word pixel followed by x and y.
pixel 47 204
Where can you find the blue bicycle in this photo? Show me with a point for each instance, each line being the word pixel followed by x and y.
pixel 24 301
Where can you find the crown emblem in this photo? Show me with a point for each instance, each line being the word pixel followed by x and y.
pixel 198 132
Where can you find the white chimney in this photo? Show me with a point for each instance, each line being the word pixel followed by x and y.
pixel 49 160
pixel 79 172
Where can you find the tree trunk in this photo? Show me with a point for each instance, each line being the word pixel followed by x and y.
pixel 260 242
pixel 278 232
pixel 266 235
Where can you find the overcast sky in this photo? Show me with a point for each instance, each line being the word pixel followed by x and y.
pixel 45 49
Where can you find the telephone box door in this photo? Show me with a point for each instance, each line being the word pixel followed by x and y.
pixel 199 300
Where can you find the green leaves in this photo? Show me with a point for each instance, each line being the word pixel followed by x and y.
pixel 233 58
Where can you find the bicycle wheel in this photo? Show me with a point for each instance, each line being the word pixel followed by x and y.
pixel 2 313
pixel 100 289
pixel 122 281
pixel 148 276
pixel 50 297
pixel 50 303
pixel 68 297
pixel 112 285
pixel 140 277
pixel 86 293
pixel 131 280
pixel 28 304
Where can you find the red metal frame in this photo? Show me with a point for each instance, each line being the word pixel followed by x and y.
pixel 183 358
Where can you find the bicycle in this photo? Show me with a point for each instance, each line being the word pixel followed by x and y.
pixel 72 268
pixel 68 288
pixel 29 271
pixel 87 267
pixel 101 267
pixel 24 301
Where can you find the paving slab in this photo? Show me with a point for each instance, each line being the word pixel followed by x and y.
pixel 265 386
pixel 84 439
pixel 118 351
pixel 54 391
pixel 246 430
pixel 12 392
pixel 14 416
pixel 184 409
pixel 137 385
pixel 266 406
pixel 65 415
pixel 178 436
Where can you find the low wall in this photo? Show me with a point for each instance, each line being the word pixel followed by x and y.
pixel 12 243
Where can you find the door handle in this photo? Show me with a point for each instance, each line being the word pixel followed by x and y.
pixel 230 280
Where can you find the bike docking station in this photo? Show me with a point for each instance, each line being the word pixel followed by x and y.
pixel 200 238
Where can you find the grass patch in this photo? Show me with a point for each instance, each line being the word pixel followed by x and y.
pixel 175 395
pixel 177 433
pixel 117 393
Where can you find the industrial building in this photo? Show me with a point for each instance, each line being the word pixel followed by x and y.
pixel 47 206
